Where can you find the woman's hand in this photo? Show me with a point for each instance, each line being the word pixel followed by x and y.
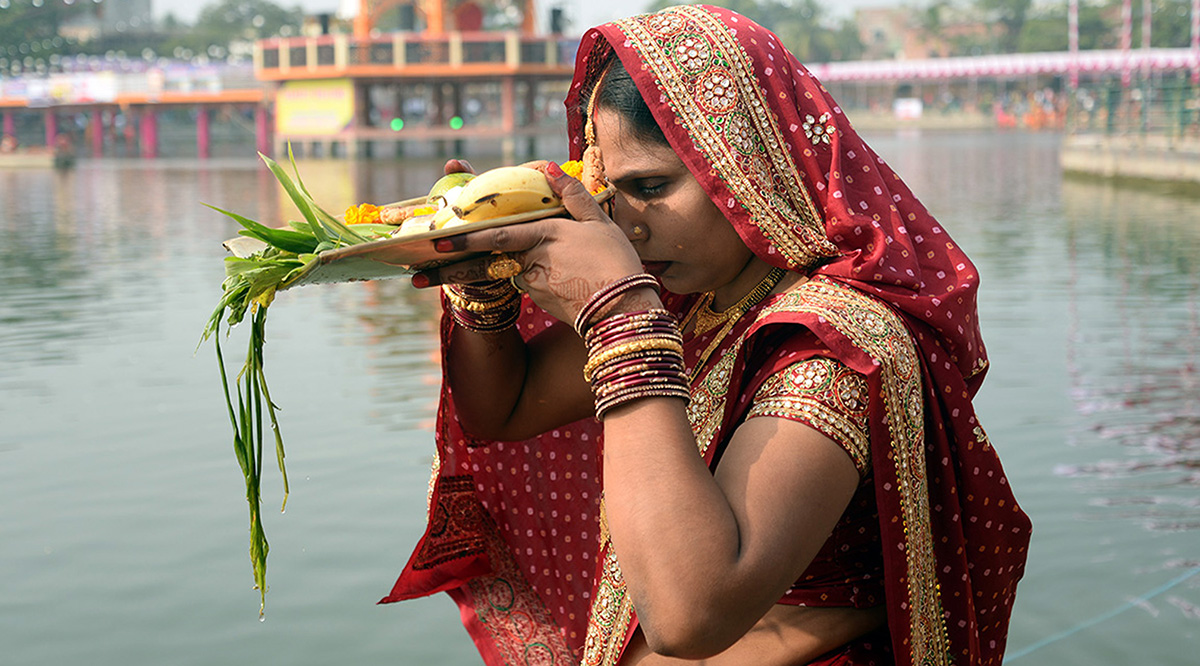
pixel 564 261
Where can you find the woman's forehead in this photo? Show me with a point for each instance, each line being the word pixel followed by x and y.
pixel 625 153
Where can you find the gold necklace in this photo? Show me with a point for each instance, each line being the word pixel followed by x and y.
pixel 705 319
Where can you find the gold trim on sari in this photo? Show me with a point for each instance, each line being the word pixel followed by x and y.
pixel 709 83
pixel 880 334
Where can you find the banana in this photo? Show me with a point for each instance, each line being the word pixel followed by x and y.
pixel 504 191
pixel 445 217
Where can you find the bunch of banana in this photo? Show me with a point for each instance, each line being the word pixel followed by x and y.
pixel 501 192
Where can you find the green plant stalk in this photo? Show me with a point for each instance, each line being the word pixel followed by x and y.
pixel 249 286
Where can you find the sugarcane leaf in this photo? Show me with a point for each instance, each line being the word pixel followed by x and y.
pixel 372 230
pixel 298 198
pixel 333 226
pixel 266 279
pixel 283 239
pixel 336 227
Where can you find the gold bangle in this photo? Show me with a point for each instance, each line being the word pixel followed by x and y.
pixel 463 303
pixel 630 347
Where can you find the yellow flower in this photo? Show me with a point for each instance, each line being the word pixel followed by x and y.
pixel 428 209
pixel 574 169
pixel 362 214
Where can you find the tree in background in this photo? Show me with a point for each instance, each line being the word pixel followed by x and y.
pixel 1010 16
pixel 30 30
pixel 246 19
pixel 802 25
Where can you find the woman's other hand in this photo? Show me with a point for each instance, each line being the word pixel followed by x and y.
pixel 563 260
pixel 457 166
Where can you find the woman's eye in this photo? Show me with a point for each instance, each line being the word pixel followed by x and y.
pixel 651 188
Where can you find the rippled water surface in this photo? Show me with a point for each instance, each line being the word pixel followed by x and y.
pixel 122 516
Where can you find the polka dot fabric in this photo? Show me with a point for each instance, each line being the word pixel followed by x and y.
pixel 513 531
pixel 776 153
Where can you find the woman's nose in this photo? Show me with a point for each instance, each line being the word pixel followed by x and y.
pixel 627 218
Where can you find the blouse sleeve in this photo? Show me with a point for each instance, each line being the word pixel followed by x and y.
pixel 826 395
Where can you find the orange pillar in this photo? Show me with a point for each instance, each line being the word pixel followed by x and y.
pixel 528 18
pixel 435 17
pixel 362 22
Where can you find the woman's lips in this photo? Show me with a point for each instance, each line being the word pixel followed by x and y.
pixel 655 268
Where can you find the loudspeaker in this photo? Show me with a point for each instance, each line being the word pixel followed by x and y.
pixel 408 17
pixel 557 24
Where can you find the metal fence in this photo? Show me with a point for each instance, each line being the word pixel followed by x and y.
pixel 1163 107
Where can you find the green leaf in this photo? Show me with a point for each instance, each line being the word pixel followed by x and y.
pixel 333 226
pixel 298 198
pixel 283 239
pixel 372 231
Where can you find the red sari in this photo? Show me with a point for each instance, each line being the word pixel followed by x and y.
pixel 515 533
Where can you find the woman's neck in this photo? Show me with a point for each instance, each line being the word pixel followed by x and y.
pixel 750 277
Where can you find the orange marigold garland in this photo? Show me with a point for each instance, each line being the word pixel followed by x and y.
pixel 364 213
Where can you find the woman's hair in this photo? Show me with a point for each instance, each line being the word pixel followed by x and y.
pixel 617 92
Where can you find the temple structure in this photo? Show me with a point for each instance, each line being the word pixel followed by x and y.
pixel 433 71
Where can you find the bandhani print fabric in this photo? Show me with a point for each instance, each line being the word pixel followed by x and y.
pixel 516 529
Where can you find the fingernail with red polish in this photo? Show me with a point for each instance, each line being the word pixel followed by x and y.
pixel 553 170
pixel 420 280
pixel 443 245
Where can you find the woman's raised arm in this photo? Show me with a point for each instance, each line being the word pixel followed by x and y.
pixel 504 387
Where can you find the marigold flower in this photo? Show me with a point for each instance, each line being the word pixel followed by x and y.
pixel 573 168
pixel 428 209
pixel 362 214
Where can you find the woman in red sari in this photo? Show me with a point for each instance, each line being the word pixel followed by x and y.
pixel 809 330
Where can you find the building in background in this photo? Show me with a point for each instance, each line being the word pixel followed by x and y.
pixel 107 18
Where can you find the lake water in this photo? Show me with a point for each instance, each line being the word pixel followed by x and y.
pixel 122 513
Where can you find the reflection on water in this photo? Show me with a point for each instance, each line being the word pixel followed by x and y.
pixel 119 492
pixel 1135 381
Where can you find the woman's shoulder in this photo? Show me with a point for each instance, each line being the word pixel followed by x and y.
pixel 856 326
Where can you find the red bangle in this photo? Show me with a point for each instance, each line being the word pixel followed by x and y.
pixel 610 293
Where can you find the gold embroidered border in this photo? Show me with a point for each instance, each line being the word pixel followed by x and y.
pixel 833 424
pixel 519 623
pixel 808 391
pixel 612 609
pixel 611 615
pixel 790 220
pixel 876 330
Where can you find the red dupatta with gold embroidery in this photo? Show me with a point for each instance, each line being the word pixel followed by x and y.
pixel 514 530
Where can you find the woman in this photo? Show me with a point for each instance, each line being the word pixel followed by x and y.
pixel 815 339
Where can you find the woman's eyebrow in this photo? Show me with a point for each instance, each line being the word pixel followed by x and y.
pixel 638 174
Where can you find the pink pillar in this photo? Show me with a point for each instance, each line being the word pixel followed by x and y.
pixel 1147 15
pixel 1195 42
pixel 1126 40
pixel 203 136
pixel 262 129
pixel 149 138
pixel 97 129
pixel 10 123
pixel 1073 41
pixel 51 127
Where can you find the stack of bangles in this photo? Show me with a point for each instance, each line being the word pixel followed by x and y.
pixel 631 355
pixel 484 307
